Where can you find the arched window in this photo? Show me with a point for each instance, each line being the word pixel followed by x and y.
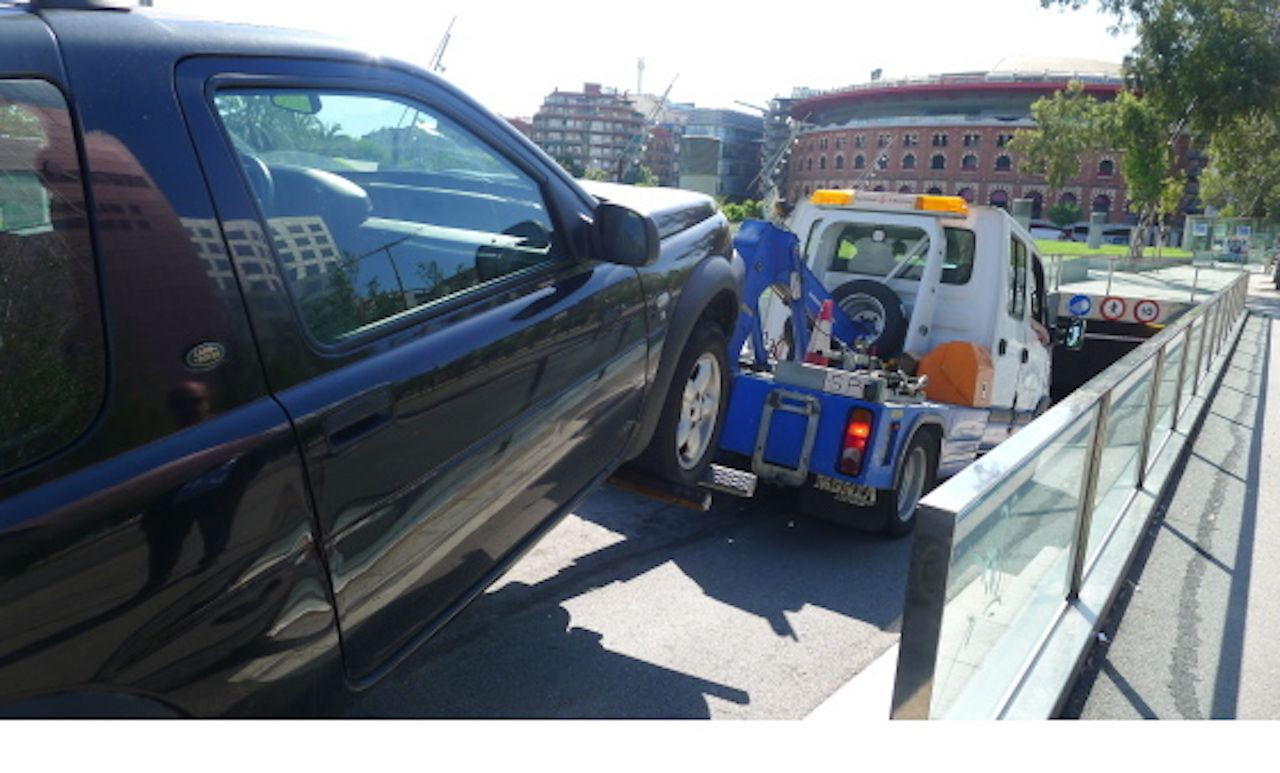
pixel 859 162
pixel 905 189
pixel 822 162
pixel 970 161
pixel 882 162
pixel 938 161
pixel 808 165
pixel 1106 168
pixel 966 194
pixel 839 162
pixel 909 161
pixel 1102 203
pixel 1003 163
pixel 1067 198
pixel 878 188
pixel 1000 199
pixel 934 190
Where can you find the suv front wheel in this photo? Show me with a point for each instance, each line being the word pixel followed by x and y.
pixel 688 432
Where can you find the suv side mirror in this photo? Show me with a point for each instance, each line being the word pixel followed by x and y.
pixel 622 235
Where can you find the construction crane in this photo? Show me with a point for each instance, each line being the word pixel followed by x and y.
pixel 437 59
pixel 636 145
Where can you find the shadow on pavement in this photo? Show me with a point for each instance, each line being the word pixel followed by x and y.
pixel 514 653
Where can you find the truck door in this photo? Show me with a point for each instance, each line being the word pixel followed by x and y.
pixel 456 371
pixel 1033 378
pixel 1010 351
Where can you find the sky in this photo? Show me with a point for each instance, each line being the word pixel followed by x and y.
pixel 509 55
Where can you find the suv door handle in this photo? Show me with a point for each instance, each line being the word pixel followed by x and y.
pixel 1026 353
pixel 1004 347
pixel 357 417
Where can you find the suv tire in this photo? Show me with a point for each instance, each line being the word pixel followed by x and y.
pixel 693 414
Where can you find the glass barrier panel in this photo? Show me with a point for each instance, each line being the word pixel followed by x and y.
pixel 1118 466
pixel 1193 352
pixel 1008 576
pixel 1173 353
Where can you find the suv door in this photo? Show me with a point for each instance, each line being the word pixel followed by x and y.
pixel 457 371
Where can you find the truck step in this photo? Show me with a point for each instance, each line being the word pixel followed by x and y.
pixel 727 480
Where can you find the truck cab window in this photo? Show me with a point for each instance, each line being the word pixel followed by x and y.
pixel 377 206
pixel 1017 279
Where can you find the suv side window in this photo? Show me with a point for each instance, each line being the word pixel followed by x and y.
pixel 377 205
pixel 52 356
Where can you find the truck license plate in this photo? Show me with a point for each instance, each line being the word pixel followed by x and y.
pixel 845 492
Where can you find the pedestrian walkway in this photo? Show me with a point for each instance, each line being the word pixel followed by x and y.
pixel 1193 632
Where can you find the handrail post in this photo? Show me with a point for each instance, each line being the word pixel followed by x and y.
pixel 1088 492
pixel 1149 422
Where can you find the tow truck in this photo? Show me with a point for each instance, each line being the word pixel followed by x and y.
pixel 905 337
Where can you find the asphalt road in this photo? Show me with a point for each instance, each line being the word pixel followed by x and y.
pixel 1192 634
pixel 635 609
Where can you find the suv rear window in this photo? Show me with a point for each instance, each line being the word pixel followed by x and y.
pixel 52 359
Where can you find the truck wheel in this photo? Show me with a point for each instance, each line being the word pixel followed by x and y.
pixel 876 306
pixel 916 476
pixel 688 432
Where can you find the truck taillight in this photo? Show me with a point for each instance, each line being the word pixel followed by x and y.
pixel 857 434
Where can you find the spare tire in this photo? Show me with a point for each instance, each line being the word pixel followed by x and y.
pixel 876 306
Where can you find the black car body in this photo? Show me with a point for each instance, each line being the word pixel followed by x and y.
pixel 236 479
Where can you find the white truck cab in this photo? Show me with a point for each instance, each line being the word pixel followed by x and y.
pixel 925 270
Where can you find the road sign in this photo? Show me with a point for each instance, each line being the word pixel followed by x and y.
pixel 1111 308
pixel 1079 305
pixel 1146 311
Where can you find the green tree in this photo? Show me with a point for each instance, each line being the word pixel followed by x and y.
pixel 1064 214
pixel 1206 62
pixel 1136 127
pixel 596 173
pixel 640 175
pixel 1243 176
pixel 571 165
pixel 1069 124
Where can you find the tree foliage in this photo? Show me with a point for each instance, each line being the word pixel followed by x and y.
pixel 1208 62
pixel 1243 176
pixel 1064 214
pixel 1069 124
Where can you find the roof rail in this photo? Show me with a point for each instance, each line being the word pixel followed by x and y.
pixel 81 5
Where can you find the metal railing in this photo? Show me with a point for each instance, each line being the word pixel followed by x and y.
pixel 1016 558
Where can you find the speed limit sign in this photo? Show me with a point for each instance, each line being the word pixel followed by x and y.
pixel 1111 308
pixel 1146 311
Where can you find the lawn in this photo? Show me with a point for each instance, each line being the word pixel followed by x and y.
pixel 1080 249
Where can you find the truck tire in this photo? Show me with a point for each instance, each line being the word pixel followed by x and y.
pixel 893 514
pixel 878 307
pixel 916 476
pixel 693 413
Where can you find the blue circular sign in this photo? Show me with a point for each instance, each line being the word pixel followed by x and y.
pixel 1079 305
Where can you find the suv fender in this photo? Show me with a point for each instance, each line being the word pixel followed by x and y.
pixel 711 291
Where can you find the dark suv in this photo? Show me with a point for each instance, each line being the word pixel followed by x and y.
pixel 299 350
